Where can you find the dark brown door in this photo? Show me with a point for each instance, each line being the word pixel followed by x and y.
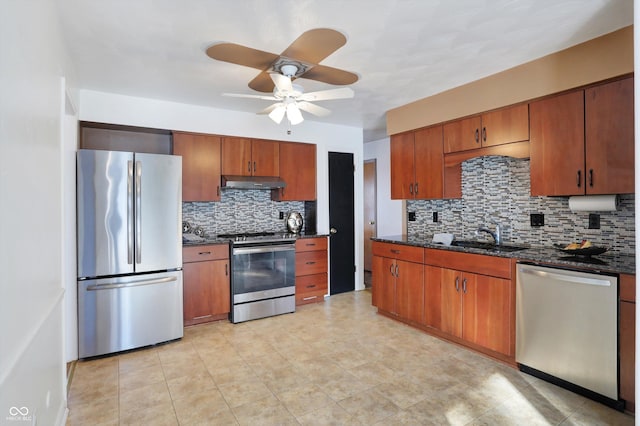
pixel 341 222
pixel 370 228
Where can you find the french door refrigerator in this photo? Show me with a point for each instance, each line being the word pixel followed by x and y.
pixel 129 208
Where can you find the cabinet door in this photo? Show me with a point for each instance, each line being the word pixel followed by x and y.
pixel 609 138
pixel 505 125
pixel 402 166
pixel 298 170
pixel 236 156
pixel 557 145
pixel 220 288
pixel 433 277
pixel 486 312
pixel 206 291
pixel 200 166
pixel 627 353
pixel 462 135
pixel 265 157
pixel 410 291
pixel 429 163
pixel 385 284
pixel 451 302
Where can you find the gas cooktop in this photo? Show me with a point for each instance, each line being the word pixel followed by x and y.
pixel 258 237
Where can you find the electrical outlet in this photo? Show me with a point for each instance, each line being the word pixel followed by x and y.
pixel 281 215
pixel 537 219
pixel 412 216
pixel 435 217
pixel 594 221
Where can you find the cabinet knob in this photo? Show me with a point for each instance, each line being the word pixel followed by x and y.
pixel 333 231
pixel 579 178
pixel 457 284
pixel 591 178
pixel 484 134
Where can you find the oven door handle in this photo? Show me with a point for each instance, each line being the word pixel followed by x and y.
pixel 263 249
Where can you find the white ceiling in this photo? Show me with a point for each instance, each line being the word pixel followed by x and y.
pixel 403 50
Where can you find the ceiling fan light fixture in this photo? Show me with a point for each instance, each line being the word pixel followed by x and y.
pixel 277 114
pixel 293 114
pixel 289 70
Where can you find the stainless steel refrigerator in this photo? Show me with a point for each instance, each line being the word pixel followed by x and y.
pixel 129 250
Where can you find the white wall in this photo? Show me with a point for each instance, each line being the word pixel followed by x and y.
pixel 134 111
pixel 32 86
pixel 389 212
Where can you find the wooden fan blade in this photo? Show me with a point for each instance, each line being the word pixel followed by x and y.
pixel 315 45
pixel 241 95
pixel 325 95
pixel 241 55
pixel 313 109
pixel 262 82
pixel 330 75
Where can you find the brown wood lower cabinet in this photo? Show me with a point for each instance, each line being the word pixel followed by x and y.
pixel 206 294
pixel 311 270
pixel 627 340
pixel 445 295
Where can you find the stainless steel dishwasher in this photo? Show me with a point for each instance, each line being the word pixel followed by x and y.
pixel 567 329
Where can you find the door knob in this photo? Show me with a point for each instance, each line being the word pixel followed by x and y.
pixel 333 231
pixel 372 222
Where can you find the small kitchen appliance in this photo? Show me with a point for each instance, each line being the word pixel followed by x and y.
pixel 294 222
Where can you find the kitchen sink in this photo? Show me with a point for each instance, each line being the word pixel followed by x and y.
pixel 487 246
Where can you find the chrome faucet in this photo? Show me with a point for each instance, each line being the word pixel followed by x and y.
pixel 497 235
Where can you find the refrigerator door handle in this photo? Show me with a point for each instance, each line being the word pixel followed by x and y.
pixel 130 212
pixel 138 212
pixel 111 286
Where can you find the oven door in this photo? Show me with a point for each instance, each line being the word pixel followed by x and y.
pixel 263 272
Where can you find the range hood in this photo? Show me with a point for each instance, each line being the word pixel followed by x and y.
pixel 252 182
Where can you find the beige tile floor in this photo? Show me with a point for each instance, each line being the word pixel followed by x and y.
pixel 334 363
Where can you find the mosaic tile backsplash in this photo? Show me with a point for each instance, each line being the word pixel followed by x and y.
pixel 240 211
pixel 497 189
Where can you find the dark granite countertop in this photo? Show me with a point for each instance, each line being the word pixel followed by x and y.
pixel 215 240
pixel 611 262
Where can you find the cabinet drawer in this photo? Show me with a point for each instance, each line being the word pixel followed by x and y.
pixel 311 284
pixel 311 288
pixel 311 262
pixel 315 297
pixel 398 251
pixel 627 288
pixel 203 253
pixel 311 244
pixel 477 263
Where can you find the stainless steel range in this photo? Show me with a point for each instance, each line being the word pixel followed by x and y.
pixel 262 275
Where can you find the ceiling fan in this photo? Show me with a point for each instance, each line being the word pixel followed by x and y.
pixel 299 60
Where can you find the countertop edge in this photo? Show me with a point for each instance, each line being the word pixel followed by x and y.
pixel 613 263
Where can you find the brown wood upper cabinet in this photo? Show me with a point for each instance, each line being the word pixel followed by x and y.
pixel 250 157
pixel 200 165
pixel 498 127
pixel 582 142
pixel 417 164
pixel 298 171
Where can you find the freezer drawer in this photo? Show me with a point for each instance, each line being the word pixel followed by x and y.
pixel 566 327
pixel 116 314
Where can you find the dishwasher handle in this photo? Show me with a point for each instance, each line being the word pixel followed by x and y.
pixel 574 279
